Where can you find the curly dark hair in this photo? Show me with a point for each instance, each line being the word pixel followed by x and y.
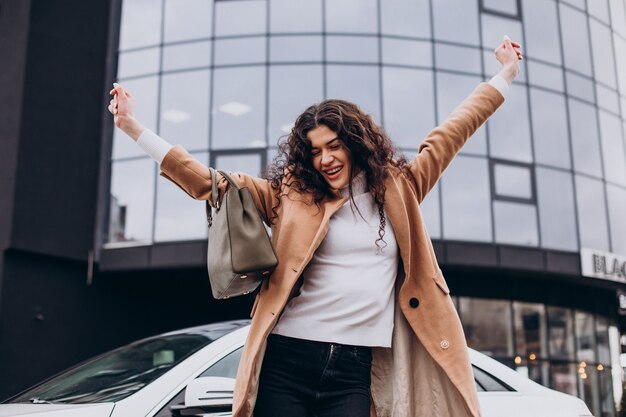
pixel 367 144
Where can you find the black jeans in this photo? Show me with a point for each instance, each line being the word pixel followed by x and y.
pixel 304 378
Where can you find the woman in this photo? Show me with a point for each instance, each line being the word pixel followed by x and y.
pixel 357 317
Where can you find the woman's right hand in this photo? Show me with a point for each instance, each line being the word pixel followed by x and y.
pixel 122 107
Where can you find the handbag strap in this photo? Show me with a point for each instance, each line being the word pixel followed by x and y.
pixel 215 201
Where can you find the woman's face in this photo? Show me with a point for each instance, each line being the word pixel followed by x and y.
pixel 330 158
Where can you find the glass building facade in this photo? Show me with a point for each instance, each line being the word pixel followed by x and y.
pixel 226 79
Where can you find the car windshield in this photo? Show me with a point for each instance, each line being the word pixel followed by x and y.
pixel 119 373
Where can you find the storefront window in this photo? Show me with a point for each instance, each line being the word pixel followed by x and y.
pixel 563 378
pixel 560 334
pixel 487 325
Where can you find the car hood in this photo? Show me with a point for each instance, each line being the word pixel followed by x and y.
pixel 56 410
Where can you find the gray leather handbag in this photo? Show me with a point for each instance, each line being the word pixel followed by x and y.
pixel 240 253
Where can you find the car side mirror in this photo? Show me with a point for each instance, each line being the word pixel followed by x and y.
pixel 209 394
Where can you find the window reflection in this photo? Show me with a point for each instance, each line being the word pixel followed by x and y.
pixel 359 84
pixel 618 17
pixel 505 141
pixel 458 58
pixel 187 55
pixel 508 7
pixel 285 105
pixel 408 116
pixel 599 9
pixel 351 49
pixel 612 148
pixel 456 21
pixel 575 39
pixel 546 76
pixel 352 16
pixel 616 197
pixel 620 59
pixel 462 194
pixel 407 52
pixel 487 325
pixel 585 337
pixel 603 63
pixel 295 48
pixel 241 17
pixel 585 142
pixel 405 18
pixel 555 199
pixel 588 386
pixel 531 337
pixel 516 223
pixel 581 87
pixel 541 30
pixel 178 216
pixel 142 62
pixel 140 24
pixel 494 26
pixel 607 98
pixel 549 128
pixel 513 181
pixel 563 378
pixel 295 16
pixel 238 107
pixel 592 221
pixel 248 163
pixel 561 337
pixel 187 19
pixel 240 51
pixel 184 112
pixel 132 193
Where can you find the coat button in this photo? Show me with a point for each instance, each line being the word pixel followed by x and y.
pixel 444 344
pixel 414 302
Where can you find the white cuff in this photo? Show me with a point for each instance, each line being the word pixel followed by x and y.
pixel 499 84
pixel 154 145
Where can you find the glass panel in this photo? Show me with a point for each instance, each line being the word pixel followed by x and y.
pixel 541 30
pixel 494 27
pixel 563 378
pixel 575 40
pixel 588 384
pixel 405 18
pixel 240 17
pixel 145 61
pixel 239 107
pixel 591 206
pixel 408 116
pixel 185 109
pixel 351 49
pixel 352 16
pixel 603 63
pixel 549 128
pixel 585 143
pixel 580 87
pixel 140 24
pixel 187 19
pixel 508 6
pixel 188 55
pixel 452 89
pixel 430 212
pixel 616 197
pixel 462 194
pixel 612 148
pixel 531 335
pixel 620 58
pixel 576 3
pixel 545 75
pixel 240 51
pixel 513 181
pixel 606 393
pixel 456 21
pixel 561 334
pixel 458 58
pixel 516 223
pixel 355 83
pixel 509 129
pixel 178 216
pixel 407 52
pixel 295 16
pixel 607 98
pixel 487 325
pixel 599 9
pixel 618 16
pixel 585 338
pixel 145 92
pixel 295 48
pixel 286 106
pixel 225 367
pixel 555 198
pixel 131 204
pixel 246 163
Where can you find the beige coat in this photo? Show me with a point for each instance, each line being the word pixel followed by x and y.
pixel 427 371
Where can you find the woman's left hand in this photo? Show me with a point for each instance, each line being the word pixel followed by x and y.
pixel 509 55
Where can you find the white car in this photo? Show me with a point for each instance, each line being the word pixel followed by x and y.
pixel 191 372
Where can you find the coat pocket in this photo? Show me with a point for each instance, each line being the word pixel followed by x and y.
pixel 441 282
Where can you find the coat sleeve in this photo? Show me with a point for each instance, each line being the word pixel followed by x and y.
pixel 194 178
pixel 443 142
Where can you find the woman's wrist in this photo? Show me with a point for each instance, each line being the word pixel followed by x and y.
pixel 509 72
pixel 132 127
